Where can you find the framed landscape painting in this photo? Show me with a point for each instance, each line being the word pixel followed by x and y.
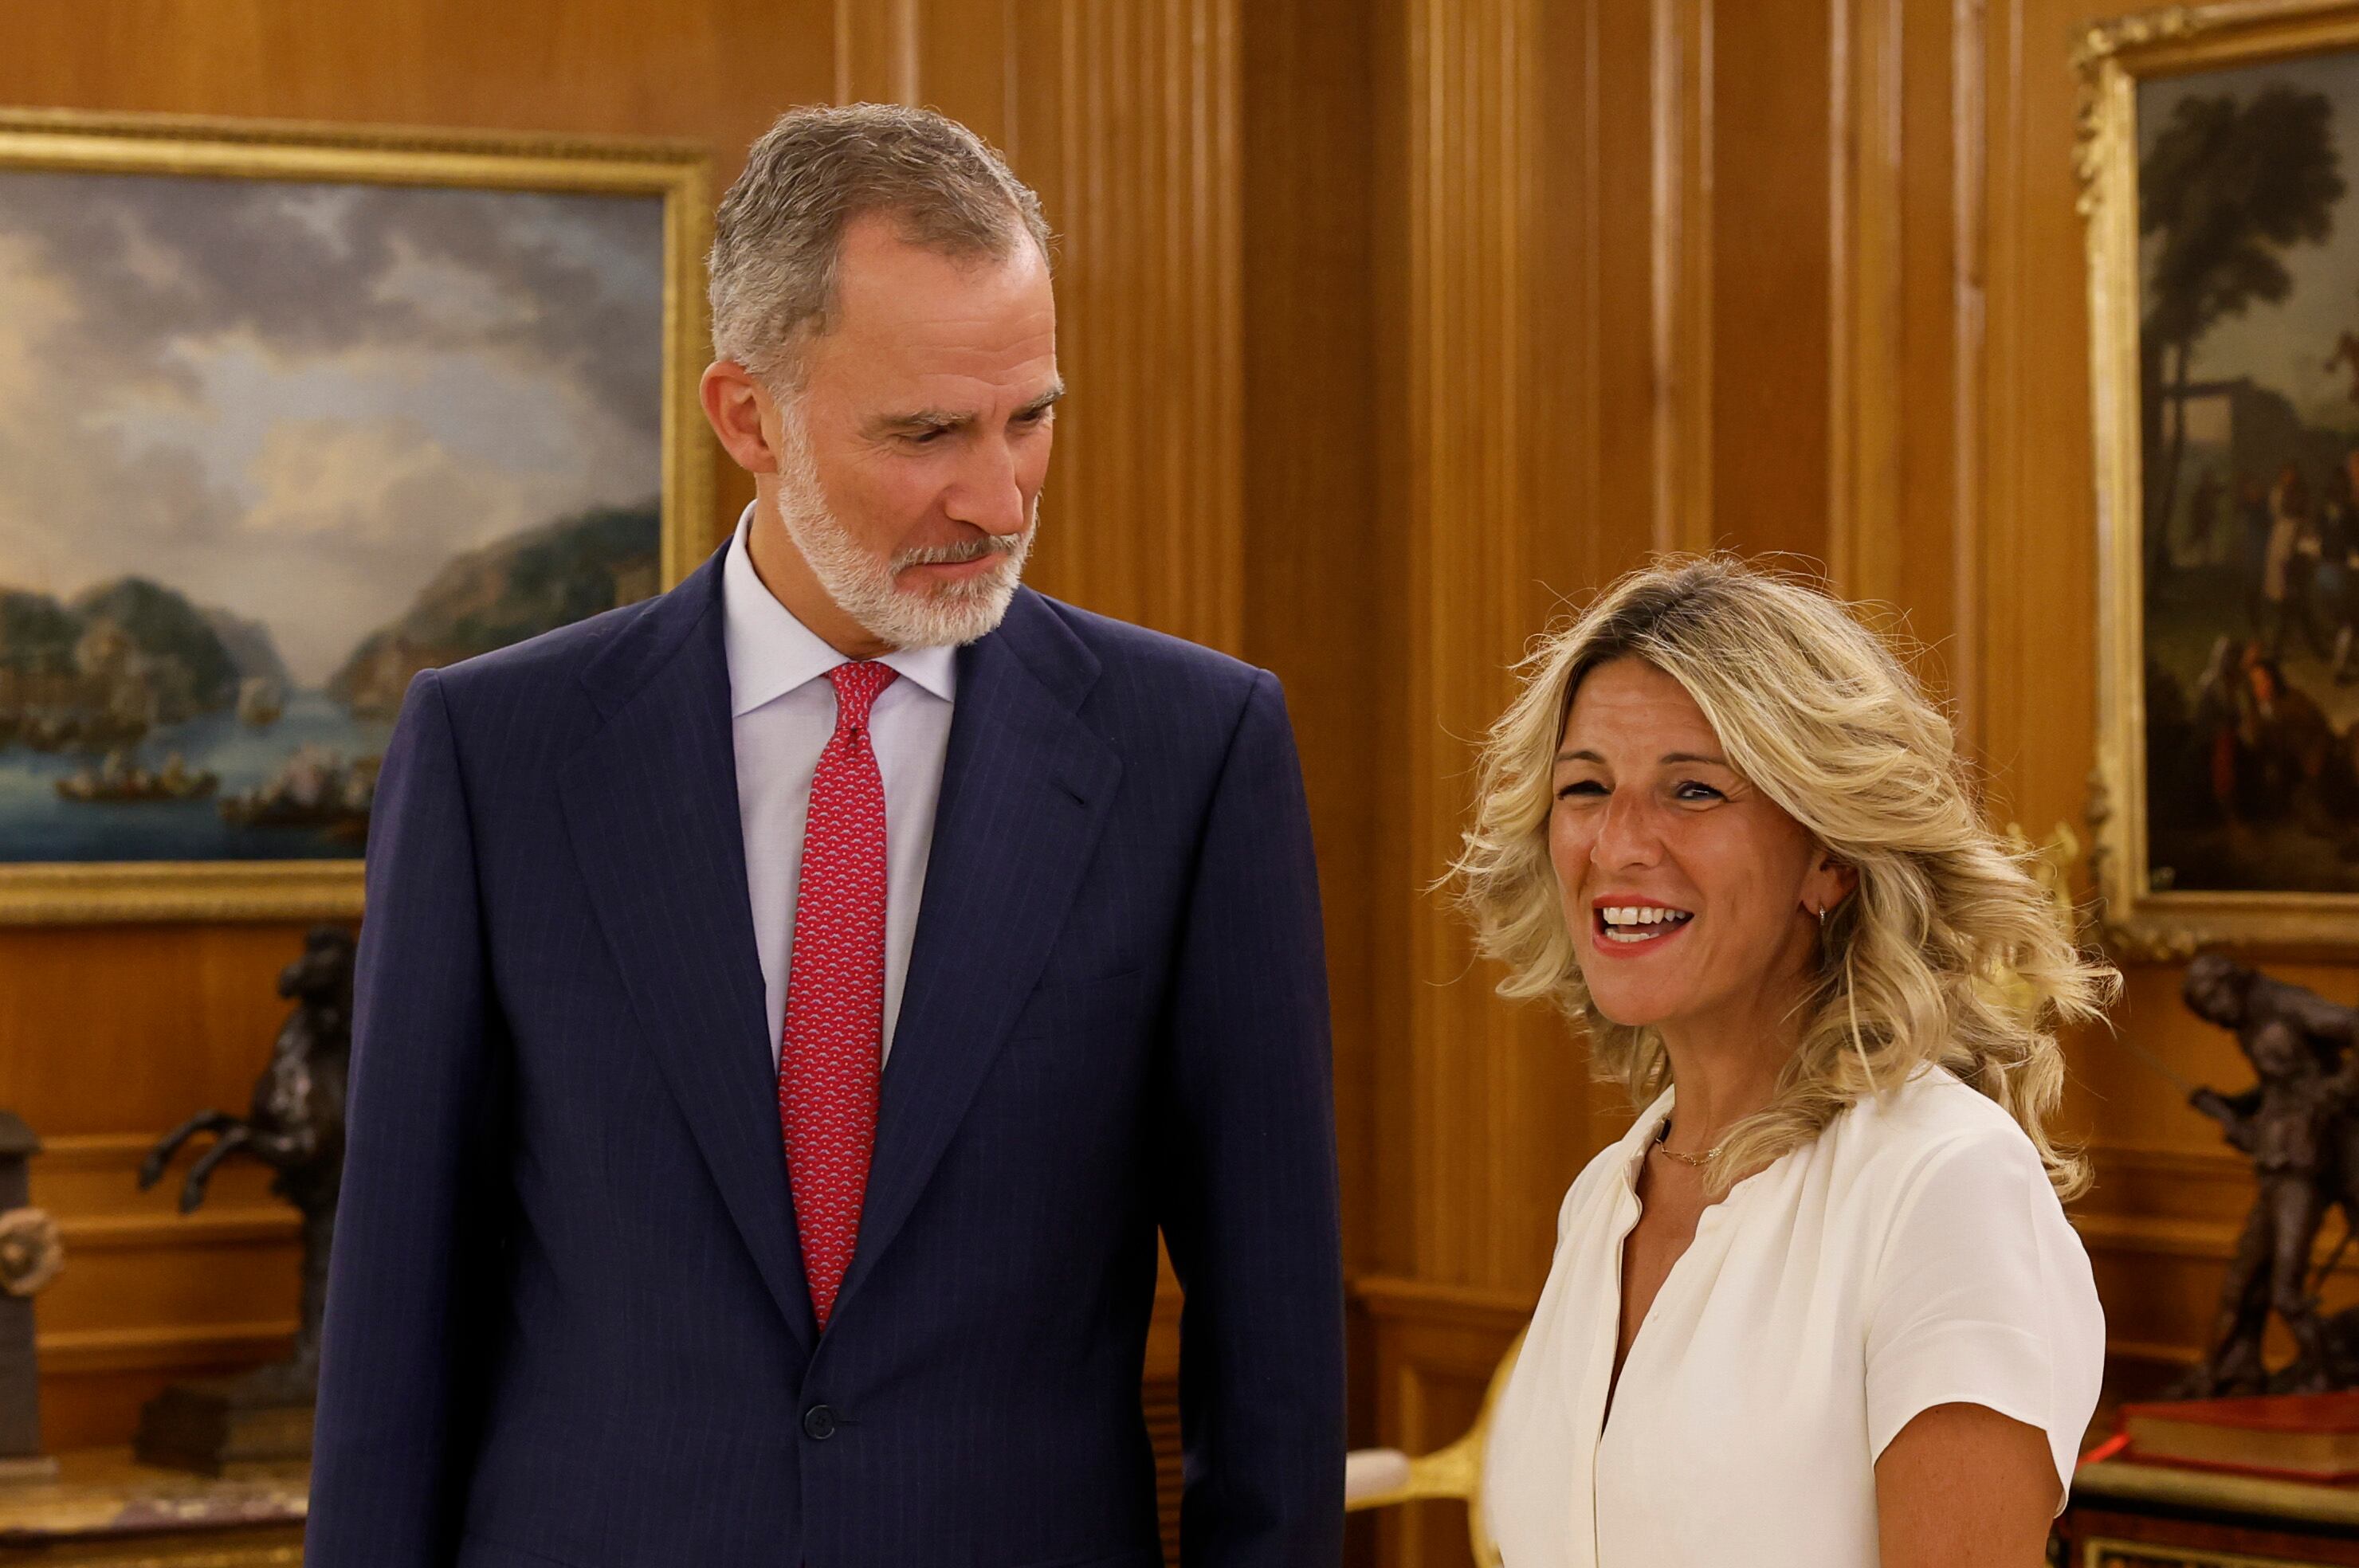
pixel 288 414
pixel 2220 161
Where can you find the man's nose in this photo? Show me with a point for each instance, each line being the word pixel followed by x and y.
pixel 988 492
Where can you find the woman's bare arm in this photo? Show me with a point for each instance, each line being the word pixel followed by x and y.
pixel 1964 1487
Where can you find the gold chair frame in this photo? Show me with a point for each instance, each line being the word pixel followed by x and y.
pixel 1382 1478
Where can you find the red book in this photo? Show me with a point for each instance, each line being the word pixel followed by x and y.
pixel 2309 1437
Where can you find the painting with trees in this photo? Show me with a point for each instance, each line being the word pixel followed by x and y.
pixel 270 445
pixel 2224 167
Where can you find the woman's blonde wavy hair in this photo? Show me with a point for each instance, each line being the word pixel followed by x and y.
pixel 1947 951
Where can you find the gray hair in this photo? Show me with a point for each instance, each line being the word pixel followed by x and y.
pixel 779 233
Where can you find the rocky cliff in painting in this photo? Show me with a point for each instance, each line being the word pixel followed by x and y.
pixel 36 633
pixel 170 633
pixel 520 587
pixel 249 646
pixel 119 660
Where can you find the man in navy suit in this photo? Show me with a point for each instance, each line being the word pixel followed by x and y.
pixel 790 1007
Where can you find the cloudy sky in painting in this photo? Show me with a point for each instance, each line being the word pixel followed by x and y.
pixel 2285 346
pixel 297 401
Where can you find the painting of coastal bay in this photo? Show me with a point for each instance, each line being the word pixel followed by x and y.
pixel 271 445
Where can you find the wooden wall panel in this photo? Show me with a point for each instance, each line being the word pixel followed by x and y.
pixel 1905 325
pixel 1537 433
pixel 1675 57
pixel 1850 232
pixel 1137 165
pixel 149 1292
pixel 107 1039
pixel 1486 551
pixel 1316 568
pixel 1547 446
pixel 877 52
pixel 1771 80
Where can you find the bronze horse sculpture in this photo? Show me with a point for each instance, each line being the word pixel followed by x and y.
pixel 295 1126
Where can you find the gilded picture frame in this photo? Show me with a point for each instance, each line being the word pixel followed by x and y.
pixel 620 225
pixel 2235 843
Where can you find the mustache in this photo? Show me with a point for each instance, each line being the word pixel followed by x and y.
pixel 963 551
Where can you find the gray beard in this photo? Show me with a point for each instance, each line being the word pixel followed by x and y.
pixel 862 583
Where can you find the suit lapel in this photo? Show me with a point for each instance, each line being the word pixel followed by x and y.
pixel 651 805
pixel 1026 788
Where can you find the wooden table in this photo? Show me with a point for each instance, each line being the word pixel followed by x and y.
pixel 105 1509
pixel 2125 1514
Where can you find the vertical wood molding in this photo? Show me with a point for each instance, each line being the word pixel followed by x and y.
pixel 1969 222
pixel 969 56
pixel 1467 213
pixel 1494 1093
pixel 1681 228
pixel 1320 570
pixel 876 51
pixel 1768 74
pixel 1998 667
pixel 2036 545
pixel 1905 295
pixel 1136 161
pixel 1865 196
pixel 1628 431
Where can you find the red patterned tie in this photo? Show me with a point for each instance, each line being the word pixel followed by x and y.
pixel 835 991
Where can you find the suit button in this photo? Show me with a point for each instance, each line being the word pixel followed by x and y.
pixel 819 1423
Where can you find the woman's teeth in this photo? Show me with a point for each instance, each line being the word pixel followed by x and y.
pixel 1641 922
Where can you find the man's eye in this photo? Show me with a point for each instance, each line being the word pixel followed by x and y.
pixel 926 438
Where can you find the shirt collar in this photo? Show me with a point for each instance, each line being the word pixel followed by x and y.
pixel 1643 1132
pixel 770 652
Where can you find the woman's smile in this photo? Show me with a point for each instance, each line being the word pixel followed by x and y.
pixel 1624 928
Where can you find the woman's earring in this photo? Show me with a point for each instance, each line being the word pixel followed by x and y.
pixel 1823 917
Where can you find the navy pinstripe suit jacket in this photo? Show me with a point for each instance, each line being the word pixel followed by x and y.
pixel 567 1320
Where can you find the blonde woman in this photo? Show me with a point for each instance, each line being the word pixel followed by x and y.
pixel 1820 1308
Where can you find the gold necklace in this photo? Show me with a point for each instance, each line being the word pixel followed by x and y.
pixel 1697 1162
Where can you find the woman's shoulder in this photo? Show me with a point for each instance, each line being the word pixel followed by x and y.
pixel 1934 1127
pixel 1934 1106
pixel 1972 1285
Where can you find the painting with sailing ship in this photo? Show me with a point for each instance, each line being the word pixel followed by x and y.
pixel 2248 450
pixel 269 448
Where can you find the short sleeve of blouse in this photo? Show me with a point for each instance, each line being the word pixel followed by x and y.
pixel 1983 1296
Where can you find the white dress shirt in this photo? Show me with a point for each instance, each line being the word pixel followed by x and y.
pixel 1913 1254
pixel 782 714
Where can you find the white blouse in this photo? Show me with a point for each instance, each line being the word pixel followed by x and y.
pixel 1912 1255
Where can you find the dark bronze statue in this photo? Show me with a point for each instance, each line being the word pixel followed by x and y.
pixel 295 1126
pixel 2298 1124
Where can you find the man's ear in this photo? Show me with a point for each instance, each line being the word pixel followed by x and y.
pixel 740 414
